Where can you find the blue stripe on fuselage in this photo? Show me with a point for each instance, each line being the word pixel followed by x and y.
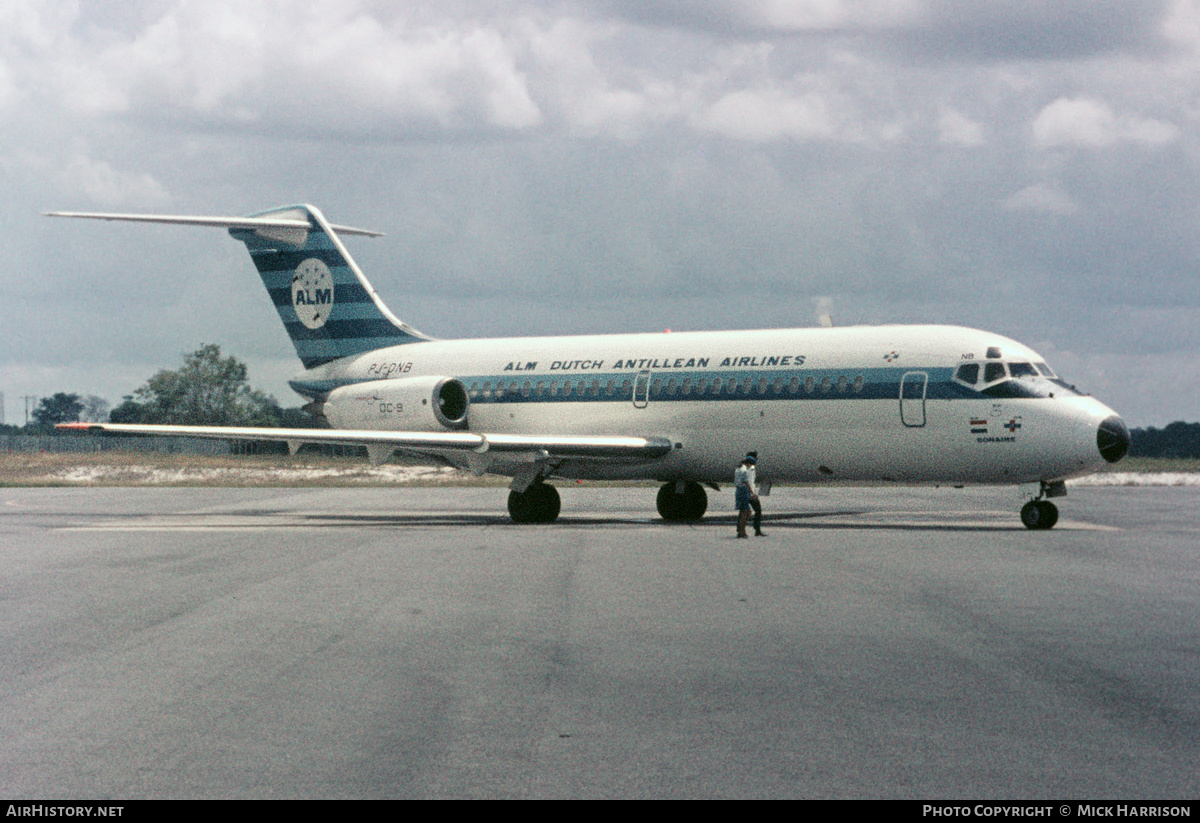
pixel 877 384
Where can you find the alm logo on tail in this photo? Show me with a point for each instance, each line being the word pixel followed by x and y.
pixel 312 293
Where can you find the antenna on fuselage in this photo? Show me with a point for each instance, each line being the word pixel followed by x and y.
pixel 824 318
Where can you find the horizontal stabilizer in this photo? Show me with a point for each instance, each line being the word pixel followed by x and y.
pixel 255 223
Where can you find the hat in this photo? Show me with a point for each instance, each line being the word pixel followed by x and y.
pixel 749 459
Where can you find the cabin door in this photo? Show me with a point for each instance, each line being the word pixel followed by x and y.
pixel 912 398
pixel 641 390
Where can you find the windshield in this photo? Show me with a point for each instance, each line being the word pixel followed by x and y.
pixel 1018 378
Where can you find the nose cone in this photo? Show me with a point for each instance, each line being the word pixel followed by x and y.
pixel 1112 439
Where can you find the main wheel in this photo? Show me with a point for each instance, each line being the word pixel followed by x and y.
pixel 1039 515
pixel 676 506
pixel 539 503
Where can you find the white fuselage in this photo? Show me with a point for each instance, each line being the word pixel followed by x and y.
pixel 841 405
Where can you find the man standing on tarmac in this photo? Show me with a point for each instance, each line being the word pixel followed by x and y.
pixel 745 495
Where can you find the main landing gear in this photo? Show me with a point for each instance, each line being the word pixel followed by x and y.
pixel 1039 514
pixel 539 503
pixel 681 501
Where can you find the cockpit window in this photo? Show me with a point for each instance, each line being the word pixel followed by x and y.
pixel 997 378
pixel 993 371
pixel 967 373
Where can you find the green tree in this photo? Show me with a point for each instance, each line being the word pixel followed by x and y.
pixel 130 411
pixel 210 390
pixel 1178 439
pixel 95 409
pixel 59 408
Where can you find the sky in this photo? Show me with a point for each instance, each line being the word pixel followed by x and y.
pixel 586 166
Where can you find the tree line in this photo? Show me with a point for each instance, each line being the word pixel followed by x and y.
pixel 1176 439
pixel 208 390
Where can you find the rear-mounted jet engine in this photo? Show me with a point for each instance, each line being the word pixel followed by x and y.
pixel 411 403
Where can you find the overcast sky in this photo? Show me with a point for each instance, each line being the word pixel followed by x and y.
pixel 540 167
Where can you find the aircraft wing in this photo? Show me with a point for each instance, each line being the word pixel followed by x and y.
pixel 381 444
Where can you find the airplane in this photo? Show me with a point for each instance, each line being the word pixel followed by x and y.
pixel 901 404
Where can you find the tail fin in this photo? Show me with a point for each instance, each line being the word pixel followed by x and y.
pixel 326 304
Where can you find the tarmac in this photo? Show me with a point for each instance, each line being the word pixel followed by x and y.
pixel 412 643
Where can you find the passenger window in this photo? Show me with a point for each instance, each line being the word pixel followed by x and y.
pixel 968 373
pixel 993 371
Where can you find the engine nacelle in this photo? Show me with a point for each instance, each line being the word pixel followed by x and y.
pixel 408 404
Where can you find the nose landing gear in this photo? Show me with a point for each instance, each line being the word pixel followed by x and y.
pixel 1039 514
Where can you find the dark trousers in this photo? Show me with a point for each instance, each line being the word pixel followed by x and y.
pixel 757 514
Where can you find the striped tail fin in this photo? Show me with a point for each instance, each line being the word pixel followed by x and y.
pixel 326 304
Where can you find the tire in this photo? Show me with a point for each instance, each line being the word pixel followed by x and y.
pixel 539 503
pixel 1039 515
pixel 681 508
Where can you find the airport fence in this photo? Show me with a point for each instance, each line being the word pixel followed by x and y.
pixel 86 443
pixel 117 443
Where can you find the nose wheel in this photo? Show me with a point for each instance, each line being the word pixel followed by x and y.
pixel 1039 515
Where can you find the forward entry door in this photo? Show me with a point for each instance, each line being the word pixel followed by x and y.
pixel 912 398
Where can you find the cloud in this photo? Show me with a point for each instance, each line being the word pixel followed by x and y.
pixel 769 114
pixel 331 69
pixel 587 98
pixel 1041 198
pixel 8 87
pixel 1087 123
pixel 988 31
pixel 818 15
pixel 1181 24
pixel 760 17
pixel 955 129
pixel 100 183
pixel 980 31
